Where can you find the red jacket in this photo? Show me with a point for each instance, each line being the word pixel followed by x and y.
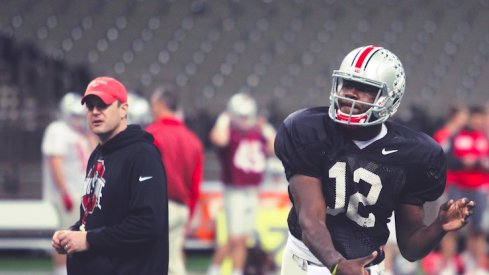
pixel 183 157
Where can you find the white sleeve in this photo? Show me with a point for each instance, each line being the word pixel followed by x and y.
pixel 54 141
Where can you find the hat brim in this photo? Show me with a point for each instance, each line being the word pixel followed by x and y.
pixel 105 97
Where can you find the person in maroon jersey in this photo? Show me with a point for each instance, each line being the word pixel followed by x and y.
pixel 349 169
pixel 243 142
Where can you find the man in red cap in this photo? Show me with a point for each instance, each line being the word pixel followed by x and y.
pixel 123 224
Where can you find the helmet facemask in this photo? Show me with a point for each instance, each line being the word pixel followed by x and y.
pixel 375 114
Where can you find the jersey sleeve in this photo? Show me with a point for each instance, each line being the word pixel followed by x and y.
pixel 298 156
pixel 426 181
pixel 54 140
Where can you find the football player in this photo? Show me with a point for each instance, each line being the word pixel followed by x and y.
pixel 140 111
pixel 243 142
pixel 349 169
pixel 65 149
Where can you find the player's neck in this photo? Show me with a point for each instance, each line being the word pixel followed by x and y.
pixel 363 133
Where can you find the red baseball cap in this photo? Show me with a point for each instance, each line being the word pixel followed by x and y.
pixel 108 89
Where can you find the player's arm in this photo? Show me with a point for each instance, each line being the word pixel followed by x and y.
pixel 311 210
pixel 427 183
pixel 219 134
pixel 56 166
pixel 415 239
pixel 269 133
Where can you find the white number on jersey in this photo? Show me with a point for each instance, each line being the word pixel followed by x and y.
pixel 250 157
pixel 338 172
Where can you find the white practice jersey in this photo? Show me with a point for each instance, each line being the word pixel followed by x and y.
pixel 62 140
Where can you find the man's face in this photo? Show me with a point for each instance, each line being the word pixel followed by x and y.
pixel 104 120
pixel 359 92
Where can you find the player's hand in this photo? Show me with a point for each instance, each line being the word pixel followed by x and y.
pixel 453 215
pixel 223 120
pixel 67 201
pixel 355 266
pixel 470 161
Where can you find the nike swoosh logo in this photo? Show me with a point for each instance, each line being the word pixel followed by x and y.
pixel 386 152
pixel 144 178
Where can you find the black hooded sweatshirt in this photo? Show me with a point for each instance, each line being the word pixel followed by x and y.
pixel 124 209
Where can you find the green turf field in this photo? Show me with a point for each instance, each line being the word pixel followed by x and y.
pixel 39 262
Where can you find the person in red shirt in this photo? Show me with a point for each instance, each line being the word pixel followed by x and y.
pixel 456 121
pixel 183 156
pixel 447 259
pixel 243 141
pixel 468 161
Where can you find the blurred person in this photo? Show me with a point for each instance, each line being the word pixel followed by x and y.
pixel 469 164
pixel 139 111
pixel 446 259
pixel 243 141
pixel 183 155
pixel 456 121
pixel 349 168
pixel 65 149
pixel 123 222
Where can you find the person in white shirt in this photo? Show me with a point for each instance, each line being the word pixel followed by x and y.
pixel 65 149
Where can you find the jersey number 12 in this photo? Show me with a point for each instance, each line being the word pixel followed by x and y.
pixel 338 172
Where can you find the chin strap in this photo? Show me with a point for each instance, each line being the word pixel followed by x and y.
pixel 357 119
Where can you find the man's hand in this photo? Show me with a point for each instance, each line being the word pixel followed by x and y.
pixel 453 215
pixel 56 243
pixel 65 241
pixel 355 266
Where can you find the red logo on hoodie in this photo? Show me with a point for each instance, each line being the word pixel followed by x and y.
pixel 92 189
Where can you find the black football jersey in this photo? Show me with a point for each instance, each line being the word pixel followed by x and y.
pixel 361 186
